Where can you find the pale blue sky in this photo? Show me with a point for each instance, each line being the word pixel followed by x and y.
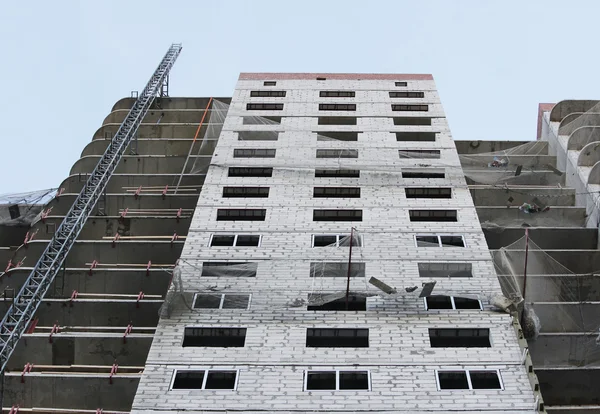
pixel 64 63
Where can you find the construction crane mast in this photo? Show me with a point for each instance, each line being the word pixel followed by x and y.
pixel 26 302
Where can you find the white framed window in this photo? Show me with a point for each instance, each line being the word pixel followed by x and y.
pixel 468 379
pixel 235 240
pixel 440 240
pixel 337 380
pixel 440 302
pixel 204 379
pixel 336 240
pixel 222 301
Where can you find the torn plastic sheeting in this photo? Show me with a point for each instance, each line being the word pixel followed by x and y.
pixel 22 209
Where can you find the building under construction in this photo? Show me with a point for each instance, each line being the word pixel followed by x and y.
pixel 314 243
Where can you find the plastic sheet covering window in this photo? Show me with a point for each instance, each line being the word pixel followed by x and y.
pixel 23 209
pixel 557 300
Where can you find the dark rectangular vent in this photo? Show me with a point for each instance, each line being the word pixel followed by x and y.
pixel 407 94
pixel 269 83
pixel 428 192
pixel 250 171
pixel 421 154
pixel 264 106
pixel 415 136
pixel 254 153
pixel 337 107
pixel 337 153
pixel 401 83
pixel 409 120
pixel 410 108
pixel 337 338
pixel 423 174
pixel 459 338
pixel 437 270
pixel 240 214
pixel 268 94
pixel 214 337
pixel 337 94
pixel 433 215
pixel 337 215
pixel 337 120
pixel 245 192
pixel 338 173
pixel 336 192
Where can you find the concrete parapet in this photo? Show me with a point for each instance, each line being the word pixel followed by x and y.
pixel 513 217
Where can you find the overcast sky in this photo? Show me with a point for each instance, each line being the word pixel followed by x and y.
pixel 65 63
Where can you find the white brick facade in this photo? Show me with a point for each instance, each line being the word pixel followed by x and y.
pixel 272 364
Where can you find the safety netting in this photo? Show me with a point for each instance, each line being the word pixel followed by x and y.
pixel 513 166
pixel 218 113
pixel 22 209
pixel 554 300
pixel 335 283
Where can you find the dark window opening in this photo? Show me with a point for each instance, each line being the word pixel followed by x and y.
pixel 439 302
pixel 246 192
pixel 337 380
pixel 415 108
pixel 321 79
pixel 220 380
pixel 239 214
pixel 428 192
pixel 337 338
pixel 336 192
pixel 321 380
pixel 466 303
pixel 338 173
pixel 221 301
pixel 452 241
pixel 354 380
pixel 214 337
pixel 337 107
pixel 427 241
pixel 250 172
pixel 337 120
pixel 273 94
pixel 433 270
pixel 254 153
pixel 433 215
pixel 337 215
pixel 264 106
pixel 407 94
pixel 355 303
pixel 336 136
pixel 14 211
pixel 337 153
pixel 258 135
pixel 459 338
pixel 453 380
pixel 401 83
pixel 485 380
pixel 322 240
pixel 409 120
pixel 229 269
pixel 423 174
pixel 337 94
pixel 235 240
pixel 261 120
pixel 269 83
pixel 188 380
pixel 429 154
pixel 219 240
pixel 415 136
pixel 336 269
pixel 247 240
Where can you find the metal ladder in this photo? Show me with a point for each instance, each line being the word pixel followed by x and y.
pixel 26 302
